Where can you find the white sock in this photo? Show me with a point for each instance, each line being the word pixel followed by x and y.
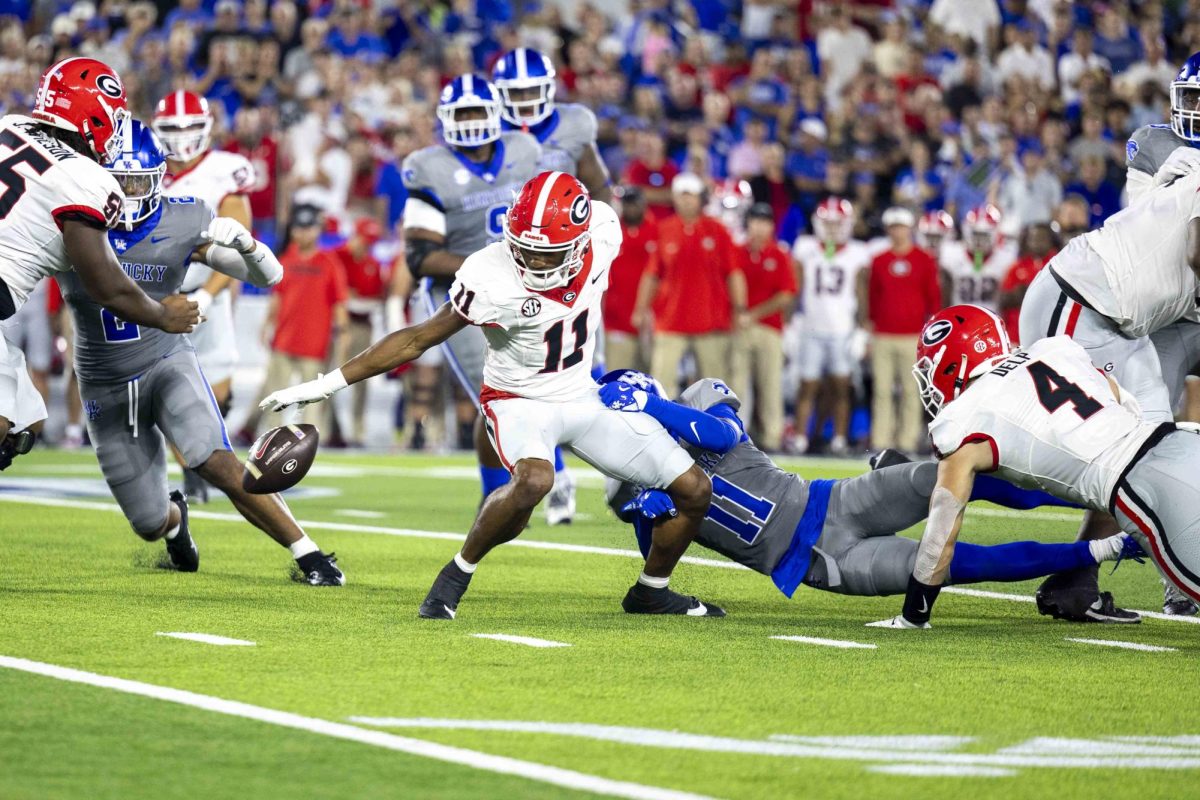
pixel 652 582
pixel 171 534
pixel 302 547
pixel 464 565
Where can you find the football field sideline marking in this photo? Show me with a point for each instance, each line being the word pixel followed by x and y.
pixel 415 533
pixel 528 641
pixel 942 771
pixel 1147 648
pixel 542 773
pixel 845 645
pixel 207 638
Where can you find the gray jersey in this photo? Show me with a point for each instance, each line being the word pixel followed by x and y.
pixel 756 506
pixel 1149 147
pixel 155 255
pixel 472 198
pixel 567 137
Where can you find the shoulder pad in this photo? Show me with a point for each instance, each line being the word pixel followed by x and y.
pixel 708 392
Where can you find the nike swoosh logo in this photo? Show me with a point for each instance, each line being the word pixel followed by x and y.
pixel 698 611
pixel 924 605
pixel 695 432
pixel 598 277
pixel 157 239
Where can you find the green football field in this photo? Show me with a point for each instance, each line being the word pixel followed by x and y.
pixel 345 693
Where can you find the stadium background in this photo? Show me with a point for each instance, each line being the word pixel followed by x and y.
pixel 948 104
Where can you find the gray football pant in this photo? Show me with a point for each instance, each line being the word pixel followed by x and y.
pixel 124 422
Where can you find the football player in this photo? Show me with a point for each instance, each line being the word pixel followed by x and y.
pixel 1156 155
pixel 830 262
pixel 536 296
pixel 54 213
pixel 835 535
pixel 1044 417
pixel 184 123
pixel 973 271
pixel 139 385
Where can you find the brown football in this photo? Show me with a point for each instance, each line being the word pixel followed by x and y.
pixel 280 458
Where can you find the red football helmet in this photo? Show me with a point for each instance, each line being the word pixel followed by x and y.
pixel 981 228
pixel 184 123
pixel 85 96
pixel 958 344
pixel 934 228
pixel 834 220
pixel 547 230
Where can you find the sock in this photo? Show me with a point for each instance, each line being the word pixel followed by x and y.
pixel 171 534
pixel 302 547
pixel 464 565
pixel 559 464
pixel 1003 493
pixel 1016 561
pixel 652 582
pixel 492 478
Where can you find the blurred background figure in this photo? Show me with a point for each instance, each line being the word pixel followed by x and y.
pixel 624 344
pixel 366 286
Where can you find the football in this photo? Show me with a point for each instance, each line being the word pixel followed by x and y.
pixel 280 459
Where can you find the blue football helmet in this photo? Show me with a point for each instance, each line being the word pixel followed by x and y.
pixel 1185 100
pixel 139 168
pixel 463 94
pixel 526 80
pixel 638 380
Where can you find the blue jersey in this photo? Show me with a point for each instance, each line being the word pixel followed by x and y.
pixel 565 136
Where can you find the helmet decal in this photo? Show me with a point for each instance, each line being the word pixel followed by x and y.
pixel 936 332
pixel 109 85
pixel 581 209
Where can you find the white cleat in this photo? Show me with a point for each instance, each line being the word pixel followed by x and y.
pixel 560 503
pixel 898 622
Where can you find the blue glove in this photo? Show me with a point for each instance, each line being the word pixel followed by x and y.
pixel 652 504
pixel 623 397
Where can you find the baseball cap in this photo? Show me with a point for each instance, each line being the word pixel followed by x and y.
pixel 305 216
pixel 898 215
pixel 761 211
pixel 687 183
pixel 369 228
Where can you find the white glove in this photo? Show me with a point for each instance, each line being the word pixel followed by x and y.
pixel 304 393
pixel 1190 427
pixel 226 232
pixel 898 622
pixel 203 299
pixel 1184 160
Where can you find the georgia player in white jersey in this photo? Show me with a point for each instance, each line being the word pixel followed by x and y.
pixel 973 271
pixel 54 216
pixel 184 123
pixel 1043 417
pixel 831 262
pixel 537 296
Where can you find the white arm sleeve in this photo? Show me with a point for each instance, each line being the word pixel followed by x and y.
pixel 419 214
pixel 944 509
pixel 259 267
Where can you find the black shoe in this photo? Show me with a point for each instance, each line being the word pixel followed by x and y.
pixel 642 599
pixel 1178 604
pixel 320 569
pixel 888 457
pixel 447 590
pixel 182 551
pixel 1068 595
pixel 1105 610
pixel 195 488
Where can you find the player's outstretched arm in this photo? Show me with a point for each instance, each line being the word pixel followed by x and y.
pixel 717 430
pixel 102 277
pixel 233 251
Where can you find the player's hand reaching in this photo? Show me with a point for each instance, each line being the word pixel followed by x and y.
pixel 226 232
pixel 652 504
pixel 623 397
pixel 1184 160
pixel 304 393
pixel 182 316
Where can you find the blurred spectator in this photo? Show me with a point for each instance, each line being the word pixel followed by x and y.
pixel 366 290
pixel 1102 196
pixel 1092 140
pixel 639 253
pixel 1079 61
pixel 1115 40
pixel 897 295
pixel 771 185
pixel 918 185
pixel 1031 193
pixel 977 20
pixel 842 48
pixel 745 157
pixel 770 292
pixel 695 291
pixel 390 192
pixel 1154 69
pixel 252 140
pixel 652 172
pixel 892 54
pixel 1072 219
pixel 1025 59
pixel 1037 248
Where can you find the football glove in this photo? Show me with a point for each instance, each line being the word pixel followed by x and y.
pixel 226 232
pixel 623 397
pixel 652 504
pixel 1184 160
pixel 304 393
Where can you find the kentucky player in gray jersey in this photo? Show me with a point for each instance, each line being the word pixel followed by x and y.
pixel 835 535
pixel 567 131
pixel 458 194
pixel 139 384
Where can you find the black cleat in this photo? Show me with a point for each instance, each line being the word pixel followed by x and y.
pixel 888 457
pixel 1105 610
pixel 320 569
pixel 642 599
pixel 447 590
pixel 1075 596
pixel 195 488
pixel 1178 604
pixel 181 550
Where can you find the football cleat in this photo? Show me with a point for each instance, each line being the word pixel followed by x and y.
pixel 560 503
pixel 888 457
pixel 1105 610
pixel 642 599
pixel 1178 604
pixel 320 569
pixel 898 622
pixel 447 590
pixel 182 550
pixel 1068 595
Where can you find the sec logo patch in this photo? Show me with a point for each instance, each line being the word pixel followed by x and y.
pixel 531 307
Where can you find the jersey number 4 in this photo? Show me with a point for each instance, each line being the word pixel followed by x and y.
pixel 554 344
pixel 1054 391
pixel 14 182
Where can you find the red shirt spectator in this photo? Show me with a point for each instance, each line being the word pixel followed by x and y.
pixel 695 260
pixel 904 291
pixel 312 285
pixel 639 253
pixel 651 171
pixel 1019 276
pixel 263 154
pixel 364 275
pixel 768 272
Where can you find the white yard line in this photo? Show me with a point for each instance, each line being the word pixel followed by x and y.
pixel 942 771
pixel 1146 648
pixel 826 642
pixel 360 514
pixel 528 641
pixel 207 638
pixel 542 773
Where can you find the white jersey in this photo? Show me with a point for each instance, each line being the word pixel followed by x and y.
pixel 214 177
pixel 975 279
pixel 1051 420
pixel 539 344
pixel 1136 272
pixel 830 281
pixel 45 183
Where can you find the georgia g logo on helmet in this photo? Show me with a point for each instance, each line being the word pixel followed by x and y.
pixel 581 209
pixel 109 85
pixel 936 332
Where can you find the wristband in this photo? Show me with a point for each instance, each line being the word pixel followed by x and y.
pixel 202 298
pixel 333 382
pixel 918 601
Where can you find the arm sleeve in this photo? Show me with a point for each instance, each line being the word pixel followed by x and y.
pixel 714 433
pixel 259 268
